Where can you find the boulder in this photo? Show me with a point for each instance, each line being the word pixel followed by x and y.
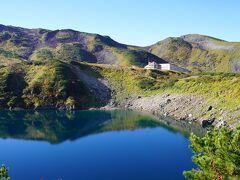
pixel 208 122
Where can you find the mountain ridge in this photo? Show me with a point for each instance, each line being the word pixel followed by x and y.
pixel 199 53
pixel 21 43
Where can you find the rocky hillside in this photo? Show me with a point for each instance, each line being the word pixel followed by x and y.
pixel 67 45
pixel 199 53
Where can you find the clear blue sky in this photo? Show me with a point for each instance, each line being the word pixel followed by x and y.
pixel 137 22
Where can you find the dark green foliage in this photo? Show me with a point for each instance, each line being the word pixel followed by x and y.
pixel 71 86
pixel 107 41
pixel 64 52
pixel 156 79
pixel 217 155
pixel 11 89
pixel 15 83
pixel 55 87
pixel 43 55
pixel 153 84
pixel 72 52
pixel 140 58
pixel 52 84
pixel 67 52
pixel 4 173
pixel 146 83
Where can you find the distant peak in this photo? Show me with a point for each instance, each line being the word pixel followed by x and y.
pixel 198 37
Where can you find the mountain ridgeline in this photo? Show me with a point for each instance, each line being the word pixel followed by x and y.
pixel 199 53
pixel 67 45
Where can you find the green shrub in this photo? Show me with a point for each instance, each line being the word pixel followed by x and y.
pixel 44 54
pixel 146 83
pixel 217 155
pixel 11 88
pixel 4 173
pixel 68 52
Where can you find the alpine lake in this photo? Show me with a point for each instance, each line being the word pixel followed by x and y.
pixel 94 145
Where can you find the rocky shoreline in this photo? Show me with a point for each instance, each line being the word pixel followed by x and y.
pixel 187 107
pixel 183 107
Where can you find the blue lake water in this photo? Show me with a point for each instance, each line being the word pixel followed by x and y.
pixel 92 145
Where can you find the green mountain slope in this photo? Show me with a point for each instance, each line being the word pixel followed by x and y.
pixel 199 53
pixel 67 45
pixel 56 84
pixel 66 69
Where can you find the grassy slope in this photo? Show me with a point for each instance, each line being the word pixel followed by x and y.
pixel 133 81
pixel 51 84
pixel 220 89
pixel 220 56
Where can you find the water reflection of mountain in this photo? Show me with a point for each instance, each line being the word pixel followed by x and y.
pixel 58 126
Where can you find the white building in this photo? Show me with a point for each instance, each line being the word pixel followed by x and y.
pixel 164 66
pixel 152 65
